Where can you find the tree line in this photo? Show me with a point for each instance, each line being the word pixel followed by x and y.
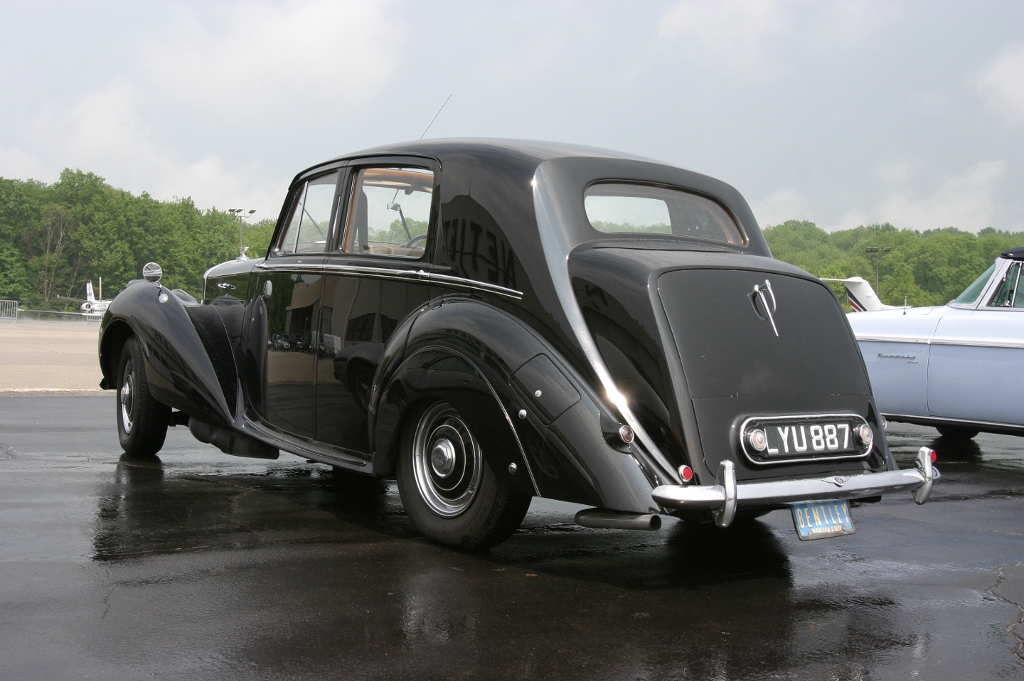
pixel 53 237
pixel 922 268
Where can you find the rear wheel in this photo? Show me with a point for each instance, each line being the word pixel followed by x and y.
pixel 957 432
pixel 141 420
pixel 449 492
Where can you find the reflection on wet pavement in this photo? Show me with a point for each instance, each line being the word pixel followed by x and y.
pixel 197 565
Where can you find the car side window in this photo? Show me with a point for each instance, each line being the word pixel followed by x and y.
pixel 309 219
pixel 1006 293
pixel 389 212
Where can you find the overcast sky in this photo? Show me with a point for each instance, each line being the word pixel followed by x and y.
pixel 843 113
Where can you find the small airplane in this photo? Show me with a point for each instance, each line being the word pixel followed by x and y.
pixel 861 296
pixel 92 307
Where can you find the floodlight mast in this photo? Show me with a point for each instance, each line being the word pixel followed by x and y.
pixel 878 255
pixel 242 214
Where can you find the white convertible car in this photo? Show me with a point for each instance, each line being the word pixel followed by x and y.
pixel 958 367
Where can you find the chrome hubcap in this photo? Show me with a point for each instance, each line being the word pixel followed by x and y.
pixel 128 398
pixel 447 462
pixel 442 459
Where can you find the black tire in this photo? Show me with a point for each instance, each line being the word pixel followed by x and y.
pixel 141 420
pixel 957 432
pixel 468 507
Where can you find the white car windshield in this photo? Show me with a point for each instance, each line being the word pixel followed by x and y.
pixel 972 292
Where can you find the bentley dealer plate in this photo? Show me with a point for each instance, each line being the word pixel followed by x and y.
pixel 822 519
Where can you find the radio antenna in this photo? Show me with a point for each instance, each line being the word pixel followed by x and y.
pixel 435 116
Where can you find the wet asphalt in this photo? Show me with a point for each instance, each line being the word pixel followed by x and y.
pixel 201 565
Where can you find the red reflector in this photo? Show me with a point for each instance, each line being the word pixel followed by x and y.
pixel 686 473
pixel 934 456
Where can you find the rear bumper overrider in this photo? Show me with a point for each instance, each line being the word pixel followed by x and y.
pixel 726 496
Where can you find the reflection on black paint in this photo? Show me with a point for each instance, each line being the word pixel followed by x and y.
pixel 476 246
pixel 632 361
pixel 289 377
pixel 360 329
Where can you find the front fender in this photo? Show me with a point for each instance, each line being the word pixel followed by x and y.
pixel 181 347
pixel 562 435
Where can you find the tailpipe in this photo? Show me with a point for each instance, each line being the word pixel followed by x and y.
pixel 617 520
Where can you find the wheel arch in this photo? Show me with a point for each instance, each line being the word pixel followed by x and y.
pixel 567 455
pixel 115 334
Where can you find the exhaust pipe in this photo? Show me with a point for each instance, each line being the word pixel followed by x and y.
pixel 617 520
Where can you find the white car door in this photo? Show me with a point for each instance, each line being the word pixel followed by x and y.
pixel 976 367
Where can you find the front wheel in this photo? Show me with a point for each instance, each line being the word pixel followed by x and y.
pixel 141 420
pixel 449 492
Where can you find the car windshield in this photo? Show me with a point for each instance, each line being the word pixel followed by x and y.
pixel 972 292
pixel 637 209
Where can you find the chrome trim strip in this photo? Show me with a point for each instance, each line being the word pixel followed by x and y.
pixel 402 275
pixel 753 494
pixel 291 268
pixel 941 420
pixel 977 344
pixel 460 282
pixel 941 341
pixel 362 270
pixel 556 253
pixel 892 339
pixel 800 459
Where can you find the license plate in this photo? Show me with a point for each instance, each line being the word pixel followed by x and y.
pixel 809 439
pixel 822 519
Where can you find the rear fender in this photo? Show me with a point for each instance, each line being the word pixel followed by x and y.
pixel 464 350
pixel 185 346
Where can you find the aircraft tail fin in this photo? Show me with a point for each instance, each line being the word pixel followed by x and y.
pixel 89 295
pixel 861 296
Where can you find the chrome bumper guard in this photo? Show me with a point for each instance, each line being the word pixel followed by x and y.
pixel 723 498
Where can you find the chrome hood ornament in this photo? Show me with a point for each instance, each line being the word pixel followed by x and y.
pixel 763 294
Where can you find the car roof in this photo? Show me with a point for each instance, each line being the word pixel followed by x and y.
pixel 1013 254
pixel 538 151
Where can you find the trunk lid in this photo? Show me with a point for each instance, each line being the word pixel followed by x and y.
pixel 757 343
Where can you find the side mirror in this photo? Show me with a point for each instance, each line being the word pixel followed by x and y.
pixel 268 288
pixel 152 272
pixel 395 206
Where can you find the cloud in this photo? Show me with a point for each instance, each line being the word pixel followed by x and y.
pixel 102 133
pixel 293 56
pixel 15 163
pixel 1002 82
pixel 724 35
pixel 784 204
pixel 747 38
pixel 965 201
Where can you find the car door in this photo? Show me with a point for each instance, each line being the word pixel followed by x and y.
pixel 374 278
pixel 289 285
pixel 976 369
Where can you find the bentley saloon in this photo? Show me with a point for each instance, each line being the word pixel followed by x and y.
pixel 489 321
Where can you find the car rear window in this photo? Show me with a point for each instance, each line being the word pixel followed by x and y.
pixel 638 209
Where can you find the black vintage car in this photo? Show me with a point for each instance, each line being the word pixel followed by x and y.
pixel 488 321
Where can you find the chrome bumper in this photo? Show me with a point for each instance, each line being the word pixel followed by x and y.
pixel 723 498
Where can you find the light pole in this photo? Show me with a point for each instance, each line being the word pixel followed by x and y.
pixel 878 255
pixel 242 214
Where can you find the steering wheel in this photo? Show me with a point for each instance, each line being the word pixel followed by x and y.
pixel 421 237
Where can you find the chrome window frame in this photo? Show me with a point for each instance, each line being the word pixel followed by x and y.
pixel 353 166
